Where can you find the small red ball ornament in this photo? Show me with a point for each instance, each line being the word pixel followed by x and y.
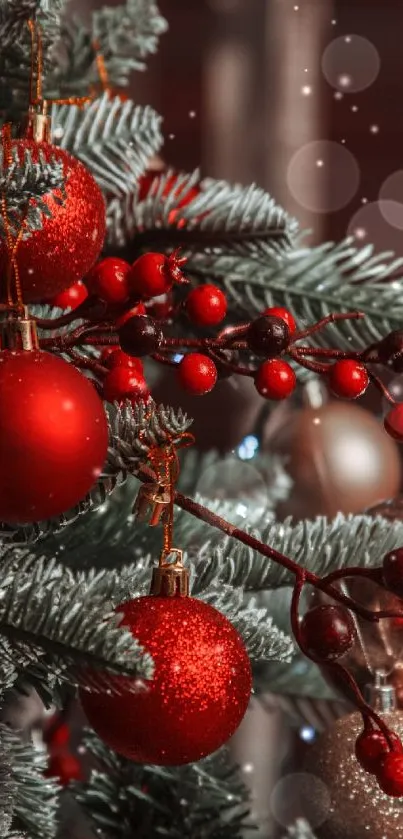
pixel 154 274
pixel 390 775
pixel 206 305
pixel 327 632
pixel 71 298
pixel 124 383
pixel 392 571
pixel 275 379
pixel 371 747
pixel 284 314
pixel 393 422
pixel 348 379
pixel 199 692
pixel 53 436
pixel 108 280
pixel 197 373
pixel 70 240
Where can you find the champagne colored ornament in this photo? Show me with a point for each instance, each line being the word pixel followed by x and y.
pixel 339 457
pixel 71 237
pixel 358 807
pixel 202 680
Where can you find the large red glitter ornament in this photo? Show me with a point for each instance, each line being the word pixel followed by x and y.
pixel 70 240
pixel 199 692
pixel 53 436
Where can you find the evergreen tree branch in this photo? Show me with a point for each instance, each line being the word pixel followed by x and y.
pixel 26 184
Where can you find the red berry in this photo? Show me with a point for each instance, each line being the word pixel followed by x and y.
pixel 393 422
pixel 348 379
pixel 118 358
pixel 275 379
pixel 392 571
pixel 71 297
pixel 206 305
pixel 140 309
pixel 390 775
pixel 327 632
pixel 108 280
pixel 160 307
pixel 59 737
pixel 154 273
pixel 197 373
pixel 65 767
pixel 106 352
pixel 284 314
pixel 124 383
pixel 372 746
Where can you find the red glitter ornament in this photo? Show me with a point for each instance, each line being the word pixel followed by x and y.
pixel 199 692
pixel 70 240
pixel 53 436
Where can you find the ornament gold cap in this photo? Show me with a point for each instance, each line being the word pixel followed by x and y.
pixel 381 695
pixel 170 579
pixel 18 332
pixel 39 125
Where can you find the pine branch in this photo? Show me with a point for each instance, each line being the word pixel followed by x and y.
pixel 35 799
pixel 114 139
pixel 15 14
pixel 244 222
pixel 206 800
pixel 8 787
pixel 70 620
pixel 25 184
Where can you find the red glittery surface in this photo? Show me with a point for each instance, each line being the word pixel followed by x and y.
pixel 199 693
pixel 53 436
pixel 63 251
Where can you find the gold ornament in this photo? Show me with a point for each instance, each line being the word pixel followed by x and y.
pixel 358 809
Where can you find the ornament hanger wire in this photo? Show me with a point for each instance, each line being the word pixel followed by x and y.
pixel 165 463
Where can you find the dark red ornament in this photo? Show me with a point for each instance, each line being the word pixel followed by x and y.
pixel 64 767
pixel 327 632
pixel 53 436
pixel 268 335
pixel 197 373
pixel 284 314
pixel 275 379
pixel 71 298
pixel 348 379
pixel 372 746
pixel 62 252
pixel 124 383
pixel 140 336
pixel 392 571
pixel 199 692
pixel 390 775
pixel 118 358
pixel 108 280
pixel 155 273
pixel 206 305
pixel 393 422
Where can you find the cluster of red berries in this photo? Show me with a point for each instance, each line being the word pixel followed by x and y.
pixel 63 765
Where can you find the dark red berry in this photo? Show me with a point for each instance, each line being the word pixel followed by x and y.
pixel 71 297
pixel 372 746
pixel 140 336
pixel 268 335
pixel 327 632
pixel 393 422
pixel 390 775
pixel 284 314
pixel 64 767
pixel 154 274
pixel 140 309
pixel 108 280
pixel 118 358
pixel 348 379
pixel 206 305
pixel 275 379
pixel 392 571
pixel 197 373
pixel 124 383
pixel 390 350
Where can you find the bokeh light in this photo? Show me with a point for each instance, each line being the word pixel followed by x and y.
pixel 323 176
pixel 351 63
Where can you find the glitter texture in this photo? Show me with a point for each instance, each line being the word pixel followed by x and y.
pixel 199 692
pixel 358 807
pixel 63 251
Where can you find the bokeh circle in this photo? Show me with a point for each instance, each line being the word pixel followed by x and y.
pixel 370 226
pixel 350 63
pixel 323 176
pixel 292 796
pixel 391 199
